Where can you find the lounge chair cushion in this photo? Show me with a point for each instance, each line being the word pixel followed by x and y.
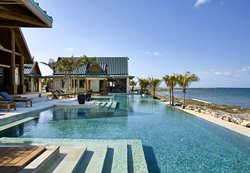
pixel 5 95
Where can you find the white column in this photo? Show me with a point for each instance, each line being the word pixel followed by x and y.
pixel 127 85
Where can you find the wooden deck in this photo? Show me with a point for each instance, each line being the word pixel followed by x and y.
pixel 13 159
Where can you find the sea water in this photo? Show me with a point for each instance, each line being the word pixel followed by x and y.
pixel 228 96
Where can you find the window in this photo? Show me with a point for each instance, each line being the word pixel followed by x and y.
pixel 62 83
pixel 76 83
pixel 81 84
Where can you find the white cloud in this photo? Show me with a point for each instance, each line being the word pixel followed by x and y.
pixel 156 53
pixel 70 48
pixel 152 53
pixel 245 69
pixel 219 73
pixel 198 3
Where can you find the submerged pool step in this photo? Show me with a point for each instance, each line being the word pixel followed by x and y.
pixel 138 157
pixel 120 159
pixel 68 161
pixel 97 160
pixel 80 155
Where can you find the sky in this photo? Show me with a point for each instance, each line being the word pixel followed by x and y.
pixel 210 38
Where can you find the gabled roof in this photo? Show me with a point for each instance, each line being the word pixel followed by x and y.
pixel 23 13
pixel 113 65
pixel 21 43
pixel 32 69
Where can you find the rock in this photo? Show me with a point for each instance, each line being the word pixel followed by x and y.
pixel 245 123
pixel 236 120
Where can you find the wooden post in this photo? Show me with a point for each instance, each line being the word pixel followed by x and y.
pixel 21 73
pixel 12 63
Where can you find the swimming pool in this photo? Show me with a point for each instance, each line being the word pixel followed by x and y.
pixel 173 141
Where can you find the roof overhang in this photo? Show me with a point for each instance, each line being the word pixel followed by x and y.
pixel 23 13
pixel 21 43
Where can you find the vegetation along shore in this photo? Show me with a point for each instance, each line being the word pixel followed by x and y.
pixel 233 114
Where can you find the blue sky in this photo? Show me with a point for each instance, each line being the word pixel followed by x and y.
pixel 210 38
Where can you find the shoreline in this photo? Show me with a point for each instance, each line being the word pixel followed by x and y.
pixel 228 125
pixel 230 117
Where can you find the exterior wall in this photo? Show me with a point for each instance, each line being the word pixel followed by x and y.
pixel 57 83
pixel 119 85
pixel 95 85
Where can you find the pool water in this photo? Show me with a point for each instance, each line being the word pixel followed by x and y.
pixel 173 141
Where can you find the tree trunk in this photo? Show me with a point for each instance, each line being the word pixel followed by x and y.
pixel 170 97
pixel 153 92
pixel 184 99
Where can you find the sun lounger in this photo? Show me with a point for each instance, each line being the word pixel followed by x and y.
pixel 7 97
pixel 8 105
pixel 57 94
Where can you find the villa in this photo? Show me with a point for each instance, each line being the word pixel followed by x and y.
pixel 119 133
pixel 105 75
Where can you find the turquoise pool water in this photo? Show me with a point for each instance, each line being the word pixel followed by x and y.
pixel 173 141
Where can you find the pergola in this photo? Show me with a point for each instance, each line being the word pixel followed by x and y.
pixel 14 51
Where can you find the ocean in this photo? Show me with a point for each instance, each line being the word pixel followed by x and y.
pixel 228 96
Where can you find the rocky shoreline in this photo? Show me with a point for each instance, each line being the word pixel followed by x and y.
pixel 233 114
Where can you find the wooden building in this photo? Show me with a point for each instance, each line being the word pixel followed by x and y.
pixel 32 78
pixel 106 75
pixel 14 52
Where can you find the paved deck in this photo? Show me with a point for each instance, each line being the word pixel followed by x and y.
pixel 13 159
pixel 39 104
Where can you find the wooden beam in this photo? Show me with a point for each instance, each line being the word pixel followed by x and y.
pixel 5 66
pixel 9 51
pixel 12 61
pixel 12 15
pixel 37 13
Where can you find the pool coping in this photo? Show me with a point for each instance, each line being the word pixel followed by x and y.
pixel 10 117
pixel 228 125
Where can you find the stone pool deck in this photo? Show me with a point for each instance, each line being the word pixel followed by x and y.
pixel 39 104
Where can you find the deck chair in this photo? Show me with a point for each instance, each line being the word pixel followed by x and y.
pixel 8 105
pixel 7 97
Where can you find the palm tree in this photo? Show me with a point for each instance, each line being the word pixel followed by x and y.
pixel 184 81
pixel 174 79
pixel 132 83
pixel 168 83
pixel 154 84
pixel 143 84
pixel 171 82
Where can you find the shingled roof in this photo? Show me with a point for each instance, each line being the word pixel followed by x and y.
pixel 32 70
pixel 114 65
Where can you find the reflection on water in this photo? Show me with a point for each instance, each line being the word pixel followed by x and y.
pixel 173 141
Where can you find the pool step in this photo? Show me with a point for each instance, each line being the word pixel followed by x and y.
pixel 120 159
pixel 42 162
pixel 97 156
pixel 97 160
pixel 68 160
pixel 18 122
pixel 138 158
